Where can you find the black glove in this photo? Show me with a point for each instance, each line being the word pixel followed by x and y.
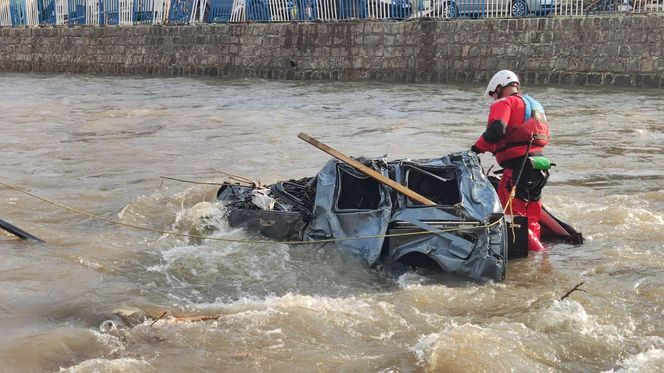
pixel 475 150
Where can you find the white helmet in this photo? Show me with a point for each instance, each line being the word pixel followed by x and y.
pixel 502 78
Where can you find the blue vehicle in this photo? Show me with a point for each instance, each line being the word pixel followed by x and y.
pixel 392 9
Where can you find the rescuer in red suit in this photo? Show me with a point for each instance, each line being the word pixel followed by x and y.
pixel 516 130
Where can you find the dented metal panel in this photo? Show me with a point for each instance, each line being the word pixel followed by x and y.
pixel 463 234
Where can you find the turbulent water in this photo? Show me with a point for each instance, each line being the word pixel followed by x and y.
pixel 87 299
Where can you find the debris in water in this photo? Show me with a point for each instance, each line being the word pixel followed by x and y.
pixel 577 287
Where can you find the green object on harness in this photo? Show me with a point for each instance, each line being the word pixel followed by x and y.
pixel 541 163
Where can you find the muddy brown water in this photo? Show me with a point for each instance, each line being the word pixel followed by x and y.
pixel 100 145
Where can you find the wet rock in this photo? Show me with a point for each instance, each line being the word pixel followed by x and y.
pixel 130 316
pixel 108 326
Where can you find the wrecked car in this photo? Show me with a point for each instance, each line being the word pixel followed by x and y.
pixel 464 234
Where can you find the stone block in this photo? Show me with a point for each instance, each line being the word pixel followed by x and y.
pixel 647 80
pixel 632 65
pixel 594 79
pixel 581 79
pixel 616 65
pixel 659 63
pixel 566 78
pixel 623 80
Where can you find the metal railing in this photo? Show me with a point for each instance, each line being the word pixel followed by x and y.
pixel 132 12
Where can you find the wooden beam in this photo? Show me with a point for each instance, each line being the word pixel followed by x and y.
pixel 367 171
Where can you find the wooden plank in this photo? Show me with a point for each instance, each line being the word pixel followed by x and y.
pixel 367 171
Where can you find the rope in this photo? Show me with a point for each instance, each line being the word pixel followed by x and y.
pixel 197 182
pixel 509 205
pixel 140 227
pixel 513 191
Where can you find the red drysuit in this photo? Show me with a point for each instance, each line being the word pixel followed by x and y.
pixel 505 137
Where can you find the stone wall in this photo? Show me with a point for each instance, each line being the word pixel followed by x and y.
pixel 611 50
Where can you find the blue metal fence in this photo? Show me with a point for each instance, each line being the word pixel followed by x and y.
pixel 220 11
pixel 181 11
pixel 109 12
pixel 143 12
pixel 127 12
pixel 46 9
pixel 76 12
pixel 305 10
pixel 17 9
pixel 348 9
pixel 258 10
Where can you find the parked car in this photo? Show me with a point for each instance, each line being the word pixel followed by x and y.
pixel 486 8
pixel 393 9
pixel 597 6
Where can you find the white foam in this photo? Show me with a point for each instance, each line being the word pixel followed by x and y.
pixel 274 331
pixel 142 112
pixel 562 315
pixel 162 208
pixel 109 365
pixel 423 346
pixel 198 260
pixel 643 362
pixel 201 218
pixel 348 312
pixel 410 279
pixel 110 341
pixel 471 347
pixel 626 214
pixel 569 315
pixel 348 306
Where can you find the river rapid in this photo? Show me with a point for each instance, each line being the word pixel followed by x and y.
pixel 86 300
